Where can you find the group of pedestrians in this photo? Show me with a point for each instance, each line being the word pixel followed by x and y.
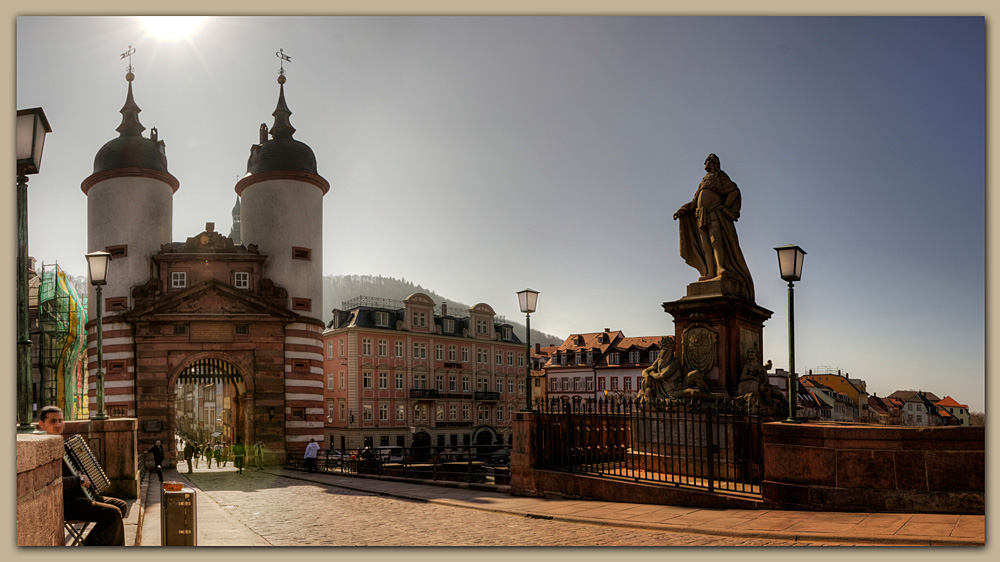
pixel 221 453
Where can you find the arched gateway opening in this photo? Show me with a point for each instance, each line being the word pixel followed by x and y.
pixel 213 403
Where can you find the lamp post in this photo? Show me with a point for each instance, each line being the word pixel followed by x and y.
pixel 790 259
pixel 528 299
pixel 97 268
pixel 32 127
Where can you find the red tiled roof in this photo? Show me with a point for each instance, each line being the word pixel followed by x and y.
pixel 590 341
pixel 642 342
pixel 949 401
pixel 943 413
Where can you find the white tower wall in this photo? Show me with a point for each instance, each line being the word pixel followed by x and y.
pixel 281 214
pixel 132 211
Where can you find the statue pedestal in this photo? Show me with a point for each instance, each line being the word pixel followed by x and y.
pixel 738 324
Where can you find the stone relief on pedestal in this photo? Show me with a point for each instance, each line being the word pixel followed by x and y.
pixel 754 385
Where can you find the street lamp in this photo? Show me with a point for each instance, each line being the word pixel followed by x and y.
pixel 790 259
pixel 97 268
pixel 527 298
pixel 32 127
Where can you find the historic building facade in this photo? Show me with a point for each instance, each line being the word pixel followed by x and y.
pixel 246 314
pixel 400 373
pixel 598 366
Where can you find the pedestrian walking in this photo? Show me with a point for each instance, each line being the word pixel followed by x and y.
pixel 209 454
pixel 239 452
pixel 310 456
pixel 197 454
pixel 225 454
pixel 188 455
pixel 258 453
pixel 217 455
pixel 158 455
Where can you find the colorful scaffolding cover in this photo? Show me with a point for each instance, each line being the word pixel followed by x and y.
pixel 63 319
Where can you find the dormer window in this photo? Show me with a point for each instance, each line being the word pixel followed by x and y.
pixel 448 326
pixel 613 358
pixel 633 357
pixel 381 318
pixel 508 333
pixel 178 280
pixel 419 319
pixel 241 280
pixel 482 327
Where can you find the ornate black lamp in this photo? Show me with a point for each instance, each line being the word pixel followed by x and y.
pixel 97 268
pixel 528 299
pixel 32 127
pixel 790 259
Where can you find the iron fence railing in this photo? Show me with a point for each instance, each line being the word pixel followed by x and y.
pixel 484 464
pixel 715 446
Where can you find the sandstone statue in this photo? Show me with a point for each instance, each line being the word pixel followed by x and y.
pixel 661 378
pixel 754 384
pixel 708 238
pixel 665 379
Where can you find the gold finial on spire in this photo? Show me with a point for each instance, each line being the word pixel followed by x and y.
pixel 281 73
pixel 128 71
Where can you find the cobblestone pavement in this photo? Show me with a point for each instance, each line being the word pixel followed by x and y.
pixel 290 512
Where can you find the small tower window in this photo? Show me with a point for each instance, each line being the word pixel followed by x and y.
pixel 301 253
pixel 241 280
pixel 115 304
pixel 302 304
pixel 178 280
pixel 119 251
pixel 243 329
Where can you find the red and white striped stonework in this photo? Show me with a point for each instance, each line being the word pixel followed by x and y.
pixel 119 383
pixel 303 384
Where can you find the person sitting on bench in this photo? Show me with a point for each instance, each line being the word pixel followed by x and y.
pixel 107 514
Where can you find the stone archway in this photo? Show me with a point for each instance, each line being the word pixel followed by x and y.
pixel 233 409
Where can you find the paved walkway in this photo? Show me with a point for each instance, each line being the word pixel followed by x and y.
pixel 218 528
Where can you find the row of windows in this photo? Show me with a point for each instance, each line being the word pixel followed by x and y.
pixel 567 384
pixel 420 382
pixel 420 352
pixel 421 412
pixel 614 357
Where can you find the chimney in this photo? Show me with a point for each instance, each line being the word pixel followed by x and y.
pixel 538 348
pixel 209 227
pixel 607 329
pixel 444 309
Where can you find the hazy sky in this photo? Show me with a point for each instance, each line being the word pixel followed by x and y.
pixel 480 155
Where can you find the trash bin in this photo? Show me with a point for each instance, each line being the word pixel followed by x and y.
pixel 178 515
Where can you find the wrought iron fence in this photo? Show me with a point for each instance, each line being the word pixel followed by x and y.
pixel 715 446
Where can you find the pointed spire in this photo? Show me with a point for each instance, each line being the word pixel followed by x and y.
pixel 282 128
pixel 130 126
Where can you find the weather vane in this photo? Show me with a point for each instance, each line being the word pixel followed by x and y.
pixel 281 55
pixel 128 54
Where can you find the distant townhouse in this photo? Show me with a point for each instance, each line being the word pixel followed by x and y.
pixel 403 373
pixel 599 365
pixel 854 389
pixel 540 355
pixel 918 408
pixel 833 405
pixel 885 411
pixel 958 414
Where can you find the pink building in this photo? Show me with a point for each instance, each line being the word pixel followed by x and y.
pixel 407 373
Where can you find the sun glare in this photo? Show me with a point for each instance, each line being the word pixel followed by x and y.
pixel 172 28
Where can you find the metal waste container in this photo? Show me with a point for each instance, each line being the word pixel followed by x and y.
pixel 178 515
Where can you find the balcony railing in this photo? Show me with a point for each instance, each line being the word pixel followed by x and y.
pixel 423 393
pixel 486 396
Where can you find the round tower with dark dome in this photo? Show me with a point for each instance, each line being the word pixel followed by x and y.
pixel 129 214
pixel 281 211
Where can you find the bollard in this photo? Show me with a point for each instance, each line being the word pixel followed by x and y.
pixel 178 515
